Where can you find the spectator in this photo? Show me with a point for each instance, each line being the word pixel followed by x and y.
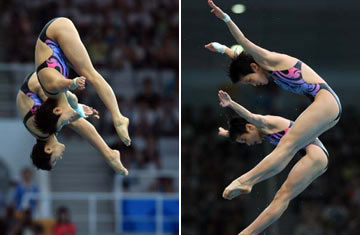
pixel 63 224
pixel 148 95
pixel 24 189
pixel 26 225
pixel 149 154
pixel 8 221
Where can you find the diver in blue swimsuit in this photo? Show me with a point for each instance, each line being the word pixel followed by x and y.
pixel 47 150
pixel 60 48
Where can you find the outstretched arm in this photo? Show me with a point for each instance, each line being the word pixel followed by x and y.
pixel 256 119
pixel 263 57
pixel 217 47
pixel 82 109
pixel 72 99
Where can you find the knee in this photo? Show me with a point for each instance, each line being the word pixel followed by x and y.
pixel 321 162
pixel 283 195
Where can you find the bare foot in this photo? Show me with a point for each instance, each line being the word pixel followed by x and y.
pixel 121 127
pixel 115 163
pixel 235 189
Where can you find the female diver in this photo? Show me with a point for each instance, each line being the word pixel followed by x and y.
pixel 58 48
pixel 47 149
pixel 252 129
pixel 258 66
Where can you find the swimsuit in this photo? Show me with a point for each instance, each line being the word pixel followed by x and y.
pixel 57 60
pixel 37 103
pixel 292 80
pixel 274 139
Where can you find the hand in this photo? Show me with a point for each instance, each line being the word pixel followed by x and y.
pixel 225 99
pixel 216 10
pixel 223 132
pixel 216 47
pixel 89 111
pixel 80 82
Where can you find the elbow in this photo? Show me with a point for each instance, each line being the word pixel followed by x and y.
pixel 74 99
pixel 264 57
pixel 259 120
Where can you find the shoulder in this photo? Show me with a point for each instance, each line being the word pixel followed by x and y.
pixel 277 61
pixel 276 123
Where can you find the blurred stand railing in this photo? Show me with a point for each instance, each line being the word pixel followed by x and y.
pixel 133 212
pixel 155 201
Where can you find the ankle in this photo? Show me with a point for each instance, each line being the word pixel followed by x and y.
pixel 243 181
pixel 120 120
pixel 110 154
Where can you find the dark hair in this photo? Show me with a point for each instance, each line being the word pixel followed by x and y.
pixel 45 119
pixel 240 66
pixel 237 126
pixel 62 210
pixel 39 157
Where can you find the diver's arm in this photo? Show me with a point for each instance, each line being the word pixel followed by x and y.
pixel 256 119
pixel 263 57
pixel 72 99
pixel 223 132
pixel 217 47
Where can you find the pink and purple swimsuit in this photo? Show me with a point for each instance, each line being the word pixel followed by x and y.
pixel 293 81
pixel 275 138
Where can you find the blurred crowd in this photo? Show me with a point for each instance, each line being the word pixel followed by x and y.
pixel 119 34
pixel 154 118
pixel 329 206
pixel 17 211
pixel 22 222
pixel 153 114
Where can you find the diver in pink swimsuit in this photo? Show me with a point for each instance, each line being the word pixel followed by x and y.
pixel 252 129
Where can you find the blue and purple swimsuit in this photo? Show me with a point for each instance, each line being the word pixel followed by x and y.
pixel 56 61
pixel 37 103
pixel 292 80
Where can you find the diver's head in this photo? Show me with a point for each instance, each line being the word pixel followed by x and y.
pixel 245 70
pixel 53 114
pixel 244 132
pixel 45 154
